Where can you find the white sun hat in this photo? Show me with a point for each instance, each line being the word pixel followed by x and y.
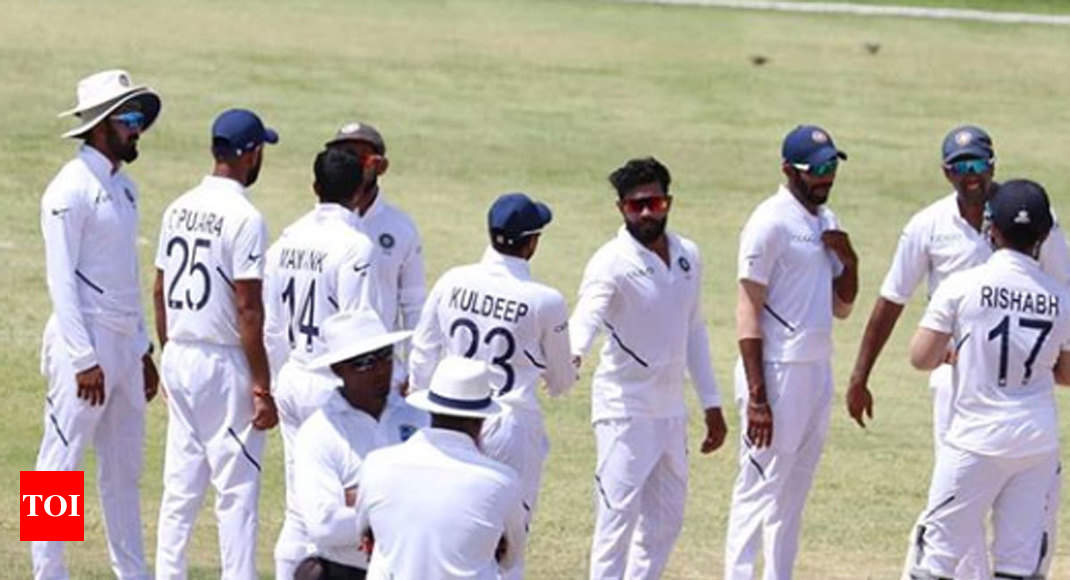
pixel 101 93
pixel 352 333
pixel 459 387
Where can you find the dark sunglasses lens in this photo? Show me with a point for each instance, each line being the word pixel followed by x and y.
pixel 654 204
pixel 970 166
pixel 131 120
pixel 824 169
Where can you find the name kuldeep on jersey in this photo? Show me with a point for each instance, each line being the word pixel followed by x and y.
pixel 468 300
pixel 1026 302
pixel 198 222
pixel 302 259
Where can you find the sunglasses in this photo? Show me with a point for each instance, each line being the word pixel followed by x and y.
pixel 967 166
pixel 363 362
pixel 133 120
pixel 826 168
pixel 656 204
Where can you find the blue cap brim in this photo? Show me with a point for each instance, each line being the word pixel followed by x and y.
pixel 978 151
pixel 270 136
pixel 824 154
pixel 545 215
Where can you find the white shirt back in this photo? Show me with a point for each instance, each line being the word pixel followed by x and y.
pixel 451 530
pixel 781 248
pixel 938 242
pixel 493 311
pixel 211 237
pixel 652 312
pixel 329 452
pixel 1009 321
pixel 320 265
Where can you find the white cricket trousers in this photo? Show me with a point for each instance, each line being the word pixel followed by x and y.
pixel 974 563
pixel 773 483
pixel 517 437
pixel 298 393
pixel 116 430
pixel 965 487
pixel 640 490
pixel 210 439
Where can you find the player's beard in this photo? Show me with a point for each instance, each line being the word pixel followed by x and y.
pixel 648 231
pixel 814 195
pixel 123 151
pixel 254 171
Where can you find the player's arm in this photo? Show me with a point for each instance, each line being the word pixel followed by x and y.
pixel 513 538
pixel 428 342
pixel 248 268
pixel 700 368
pixel 555 348
pixel 929 346
pixel 321 497
pixel 412 285
pixel 844 285
pixel 596 295
pixel 276 316
pixel 359 283
pixel 1062 367
pixel 749 304
pixel 1054 255
pixel 160 308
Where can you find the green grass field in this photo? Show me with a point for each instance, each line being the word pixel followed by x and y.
pixel 478 97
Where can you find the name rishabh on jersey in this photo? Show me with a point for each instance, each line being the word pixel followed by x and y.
pixel 1009 322
pixel 211 237
pixel 320 265
pixel 494 311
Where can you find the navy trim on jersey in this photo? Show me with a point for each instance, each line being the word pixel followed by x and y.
pixel 961 343
pixel 753 461
pixel 624 347
pixel 942 504
pixel 533 361
pixel 59 431
pixel 88 282
pixel 224 277
pixel 333 302
pixel 779 318
pixel 244 451
pixel 468 404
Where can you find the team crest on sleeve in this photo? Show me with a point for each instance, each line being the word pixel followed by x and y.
pixel 386 241
pixel 406 431
pixel 684 264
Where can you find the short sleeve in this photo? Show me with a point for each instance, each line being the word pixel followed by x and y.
pixel 943 307
pixel 247 259
pixel 759 248
pixel 909 265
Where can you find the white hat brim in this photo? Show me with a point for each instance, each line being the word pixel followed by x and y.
pixel 107 109
pixel 422 400
pixel 358 347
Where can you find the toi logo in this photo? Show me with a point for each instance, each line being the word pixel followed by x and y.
pixel 51 506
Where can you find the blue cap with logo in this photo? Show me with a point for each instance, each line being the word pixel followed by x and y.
pixel 809 145
pixel 1021 205
pixel 514 216
pixel 238 131
pixel 967 141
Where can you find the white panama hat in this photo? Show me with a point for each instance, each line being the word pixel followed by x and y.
pixel 459 387
pixel 352 333
pixel 101 93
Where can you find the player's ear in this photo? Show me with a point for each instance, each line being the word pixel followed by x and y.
pixel 384 164
pixel 788 170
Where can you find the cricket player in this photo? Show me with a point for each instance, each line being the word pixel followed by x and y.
pixel 330 446
pixel 946 237
pixel 644 287
pixel 95 352
pixel 797 270
pixel 320 265
pixel 471 522
pixel 495 312
pixel 210 316
pixel 1007 326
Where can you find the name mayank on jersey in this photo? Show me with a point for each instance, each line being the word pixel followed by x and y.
pixel 302 259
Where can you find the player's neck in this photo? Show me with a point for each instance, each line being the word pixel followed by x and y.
pixel 111 157
pixel 365 202
pixel 973 213
pixel 228 172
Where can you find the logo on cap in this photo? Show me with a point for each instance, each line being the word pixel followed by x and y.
pixel 819 137
pixel 386 241
pixel 124 80
pixel 1022 217
pixel 963 138
pixel 351 128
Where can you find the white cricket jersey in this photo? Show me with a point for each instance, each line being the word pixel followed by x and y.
pixel 493 311
pixel 1009 321
pixel 210 238
pixel 938 241
pixel 653 315
pixel 781 248
pixel 320 265
pixel 329 452
pixel 450 529
pixel 89 219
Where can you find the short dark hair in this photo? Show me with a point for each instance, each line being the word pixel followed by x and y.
pixel 638 172
pixel 338 175
pixel 508 246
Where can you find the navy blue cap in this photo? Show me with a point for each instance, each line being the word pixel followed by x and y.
pixel 514 216
pixel 1021 205
pixel 240 130
pixel 809 145
pixel 967 141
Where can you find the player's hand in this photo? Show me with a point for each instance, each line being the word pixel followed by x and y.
pixel 759 424
pixel 265 415
pixel 859 401
pixel 91 385
pixel 403 388
pixel 152 378
pixel 351 496
pixel 716 429
pixel 838 242
pixel 367 543
pixel 576 362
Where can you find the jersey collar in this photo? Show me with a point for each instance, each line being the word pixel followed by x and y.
pixel 100 165
pixel 447 438
pixel 336 211
pixel 223 183
pixel 1015 259
pixel 374 208
pixel 640 253
pixel 518 267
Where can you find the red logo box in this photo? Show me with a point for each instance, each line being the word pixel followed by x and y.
pixel 51 506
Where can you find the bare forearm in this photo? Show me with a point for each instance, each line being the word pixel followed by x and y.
pixel 250 328
pixel 750 350
pixel 878 329
pixel 846 284
pixel 160 309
